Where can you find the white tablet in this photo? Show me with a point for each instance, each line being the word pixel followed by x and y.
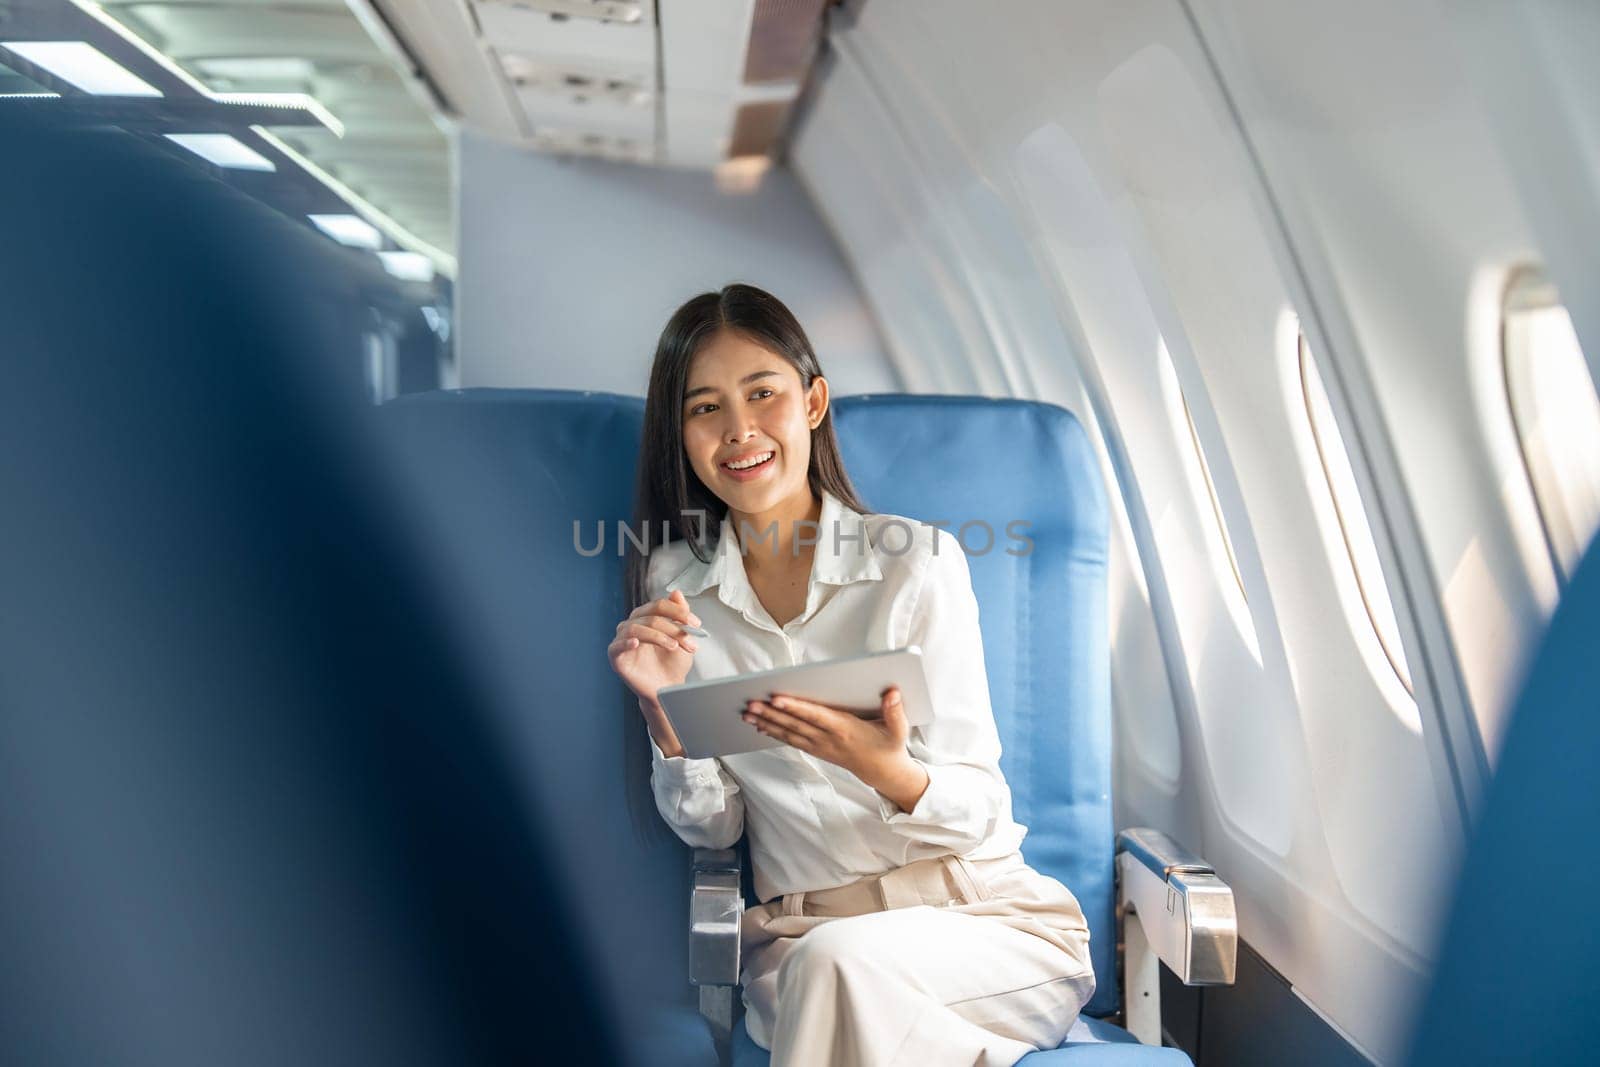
pixel 708 716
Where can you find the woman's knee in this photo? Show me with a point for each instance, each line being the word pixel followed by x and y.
pixel 827 950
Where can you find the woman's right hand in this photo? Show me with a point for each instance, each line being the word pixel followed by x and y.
pixel 651 651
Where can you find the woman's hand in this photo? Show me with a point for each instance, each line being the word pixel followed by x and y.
pixel 874 750
pixel 651 651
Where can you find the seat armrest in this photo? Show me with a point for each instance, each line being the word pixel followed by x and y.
pixel 715 911
pixel 1185 911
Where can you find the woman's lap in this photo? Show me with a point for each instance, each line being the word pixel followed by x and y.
pixel 1008 970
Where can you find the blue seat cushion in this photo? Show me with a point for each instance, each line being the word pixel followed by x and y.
pixel 1092 1041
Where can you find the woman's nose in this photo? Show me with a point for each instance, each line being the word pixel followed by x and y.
pixel 740 432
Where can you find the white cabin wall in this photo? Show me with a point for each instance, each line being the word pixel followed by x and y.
pixel 1055 201
pixel 570 268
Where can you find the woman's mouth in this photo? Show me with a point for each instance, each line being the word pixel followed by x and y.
pixel 745 468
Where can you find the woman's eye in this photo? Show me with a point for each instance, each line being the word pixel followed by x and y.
pixel 700 409
pixel 761 394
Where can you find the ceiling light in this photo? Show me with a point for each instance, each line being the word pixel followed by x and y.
pixel 295 100
pixel 84 66
pixel 393 230
pixel 223 149
pixel 160 59
pixel 408 266
pixel 352 230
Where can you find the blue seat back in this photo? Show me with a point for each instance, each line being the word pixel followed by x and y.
pixel 526 463
pixel 251 813
pixel 989 463
pixel 1517 980
pixel 500 478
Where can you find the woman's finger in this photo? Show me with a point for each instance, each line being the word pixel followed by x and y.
pixel 766 713
pixel 669 607
pixel 788 737
pixel 650 635
pixel 893 712
pixel 670 627
pixel 673 630
pixel 662 623
pixel 818 715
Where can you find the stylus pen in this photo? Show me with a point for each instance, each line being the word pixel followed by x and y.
pixel 693 631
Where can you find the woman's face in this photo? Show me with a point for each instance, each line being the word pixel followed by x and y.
pixel 744 404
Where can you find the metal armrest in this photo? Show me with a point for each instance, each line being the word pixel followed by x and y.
pixel 1185 909
pixel 1183 914
pixel 716 909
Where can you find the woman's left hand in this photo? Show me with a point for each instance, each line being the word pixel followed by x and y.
pixel 874 750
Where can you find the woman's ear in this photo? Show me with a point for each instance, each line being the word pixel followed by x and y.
pixel 817 401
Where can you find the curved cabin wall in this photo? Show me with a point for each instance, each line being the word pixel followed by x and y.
pixel 570 268
pixel 1132 208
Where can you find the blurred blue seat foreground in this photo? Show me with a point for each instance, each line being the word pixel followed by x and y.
pixel 1536 835
pixel 250 813
pixel 526 465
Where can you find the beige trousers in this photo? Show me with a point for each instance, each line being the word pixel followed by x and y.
pixel 942 961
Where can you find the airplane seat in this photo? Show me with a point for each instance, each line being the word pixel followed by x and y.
pixel 506 473
pixel 500 478
pixel 252 812
pixel 1516 960
pixel 998 471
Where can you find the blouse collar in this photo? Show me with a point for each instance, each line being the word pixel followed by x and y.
pixel 844 554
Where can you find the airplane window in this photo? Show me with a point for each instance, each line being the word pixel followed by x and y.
pixel 1197 472
pixel 1556 412
pixel 1211 493
pixel 1357 533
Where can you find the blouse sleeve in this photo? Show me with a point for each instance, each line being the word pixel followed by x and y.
pixel 698 798
pixel 959 746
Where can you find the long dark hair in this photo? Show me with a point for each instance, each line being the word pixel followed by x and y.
pixel 670 497
pixel 667 490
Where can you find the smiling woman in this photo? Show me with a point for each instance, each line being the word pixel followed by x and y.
pixel 899 840
pixel 757 387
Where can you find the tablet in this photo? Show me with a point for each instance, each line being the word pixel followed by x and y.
pixel 708 716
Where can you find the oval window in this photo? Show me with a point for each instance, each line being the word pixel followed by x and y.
pixel 1556 412
pixel 1354 529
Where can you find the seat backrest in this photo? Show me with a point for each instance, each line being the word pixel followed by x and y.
pixel 529 462
pixel 252 814
pixel 1517 980
pixel 981 465
pixel 501 478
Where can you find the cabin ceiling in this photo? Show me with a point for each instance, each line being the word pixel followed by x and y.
pixel 704 84
pixel 686 83
pixel 393 153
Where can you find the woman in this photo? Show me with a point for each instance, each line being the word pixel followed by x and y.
pixel 901 922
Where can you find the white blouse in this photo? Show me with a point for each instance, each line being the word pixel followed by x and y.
pixel 878 582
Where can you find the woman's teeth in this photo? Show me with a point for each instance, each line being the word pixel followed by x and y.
pixel 746 464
